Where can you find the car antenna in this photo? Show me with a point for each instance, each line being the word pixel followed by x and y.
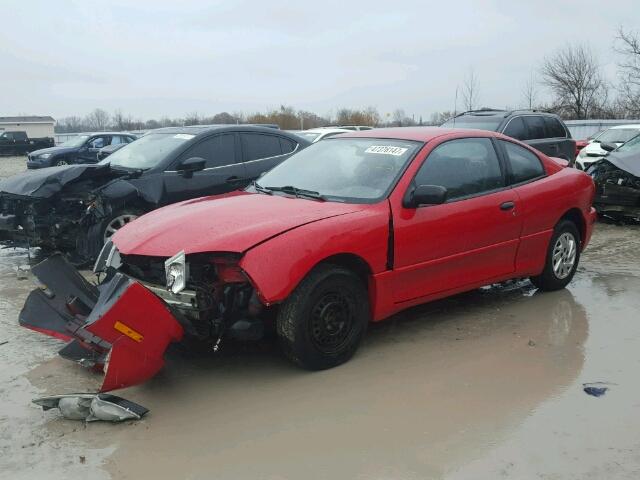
pixel 455 107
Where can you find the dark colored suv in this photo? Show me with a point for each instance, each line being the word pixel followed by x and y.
pixel 543 131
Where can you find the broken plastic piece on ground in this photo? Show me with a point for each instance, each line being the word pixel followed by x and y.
pixel 596 389
pixel 91 407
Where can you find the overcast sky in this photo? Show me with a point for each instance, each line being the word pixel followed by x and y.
pixel 156 58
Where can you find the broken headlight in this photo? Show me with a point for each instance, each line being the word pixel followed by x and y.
pixel 176 271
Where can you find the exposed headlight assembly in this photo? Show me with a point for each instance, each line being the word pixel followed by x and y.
pixel 176 271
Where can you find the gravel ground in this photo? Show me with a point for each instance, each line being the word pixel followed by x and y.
pixel 12 165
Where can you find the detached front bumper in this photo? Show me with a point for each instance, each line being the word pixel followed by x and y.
pixel 119 327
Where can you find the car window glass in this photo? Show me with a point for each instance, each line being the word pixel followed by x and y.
pixel 98 142
pixel 464 167
pixel 217 151
pixel 256 146
pixel 516 129
pixel 525 165
pixel 286 145
pixel 117 140
pixel 554 128
pixel 8 136
pixel 535 126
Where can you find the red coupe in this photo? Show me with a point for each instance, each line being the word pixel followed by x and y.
pixel 348 231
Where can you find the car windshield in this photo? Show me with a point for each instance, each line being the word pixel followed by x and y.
pixel 353 170
pixel 479 122
pixel 632 145
pixel 617 135
pixel 147 151
pixel 75 141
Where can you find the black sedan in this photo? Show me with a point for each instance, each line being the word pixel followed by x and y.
pixel 76 208
pixel 83 148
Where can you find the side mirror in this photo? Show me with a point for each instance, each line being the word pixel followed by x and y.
pixel 425 195
pixel 609 147
pixel 190 165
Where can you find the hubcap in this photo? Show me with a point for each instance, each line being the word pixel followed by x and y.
pixel 564 255
pixel 332 321
pixel 116 224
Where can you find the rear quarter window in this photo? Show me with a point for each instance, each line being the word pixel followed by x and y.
pixel 256 146
pixel 554 128
pixel 524 164
pixel 535 125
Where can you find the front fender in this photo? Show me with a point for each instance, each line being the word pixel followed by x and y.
pixel 278 265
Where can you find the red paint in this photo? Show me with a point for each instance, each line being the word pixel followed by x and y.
pixel 133 362
pixel 438 250
pixel 50 333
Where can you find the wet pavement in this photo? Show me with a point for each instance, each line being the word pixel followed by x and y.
pixel 484 385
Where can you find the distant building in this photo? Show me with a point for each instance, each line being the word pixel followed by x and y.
pixel 581 129
pixel 36 127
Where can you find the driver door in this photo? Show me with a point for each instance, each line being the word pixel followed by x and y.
pixel 473 237
pixel 221 174
pixel 89 151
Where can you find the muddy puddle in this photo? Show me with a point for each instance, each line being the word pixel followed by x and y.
pixel 487 384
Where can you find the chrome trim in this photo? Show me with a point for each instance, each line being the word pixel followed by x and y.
pixel 241 163
pixel 186 299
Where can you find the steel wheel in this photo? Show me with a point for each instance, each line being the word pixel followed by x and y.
pixel 332 320
pixel 564 255
pixel 117 223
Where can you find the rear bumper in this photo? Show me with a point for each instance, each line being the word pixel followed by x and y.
pixel 120 327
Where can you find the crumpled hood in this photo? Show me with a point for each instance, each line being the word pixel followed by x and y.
pixel 223 223
pixel 627 161
pixel 52 151
pixel 46 182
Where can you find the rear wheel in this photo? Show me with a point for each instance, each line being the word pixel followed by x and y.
pixel 562 259
pixel 323 321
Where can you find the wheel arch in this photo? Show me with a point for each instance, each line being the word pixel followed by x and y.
pixel 575 215
pixel 350 261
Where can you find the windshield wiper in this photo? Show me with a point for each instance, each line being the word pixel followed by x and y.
pixel 298 192
pixel 261 189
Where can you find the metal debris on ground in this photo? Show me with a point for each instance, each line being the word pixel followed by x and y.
pixel 91 407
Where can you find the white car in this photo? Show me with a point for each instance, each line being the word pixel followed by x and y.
pixel 316 134
pixel 615 136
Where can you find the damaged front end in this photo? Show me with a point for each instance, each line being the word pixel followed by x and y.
pixel 60 208
pixel 119 327
pixel 124 325
pixel 617 190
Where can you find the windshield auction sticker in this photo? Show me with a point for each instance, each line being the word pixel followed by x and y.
pixel 184 136
pixel 386 150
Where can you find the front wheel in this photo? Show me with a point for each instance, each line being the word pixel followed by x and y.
pixel 117 221
pixel 61 163
pixel 323 321
pixel 562 259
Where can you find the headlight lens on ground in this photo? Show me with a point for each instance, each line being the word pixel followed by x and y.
pixel 176 272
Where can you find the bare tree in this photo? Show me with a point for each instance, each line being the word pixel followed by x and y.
pixel 574 77
pixel 530 92
pixel 628 46
pixel 470 91
pixel 398 117
pixel 97 120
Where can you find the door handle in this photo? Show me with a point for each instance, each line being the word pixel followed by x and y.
pixel 234 179
pixel 507 205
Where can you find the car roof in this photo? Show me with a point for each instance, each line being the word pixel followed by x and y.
pixel 326 130
pixel 632 126
pixel 198 129
pixel 496 112
pixel 420 134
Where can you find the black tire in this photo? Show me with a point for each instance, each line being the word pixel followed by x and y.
pixel 323 321
pixel 549 279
